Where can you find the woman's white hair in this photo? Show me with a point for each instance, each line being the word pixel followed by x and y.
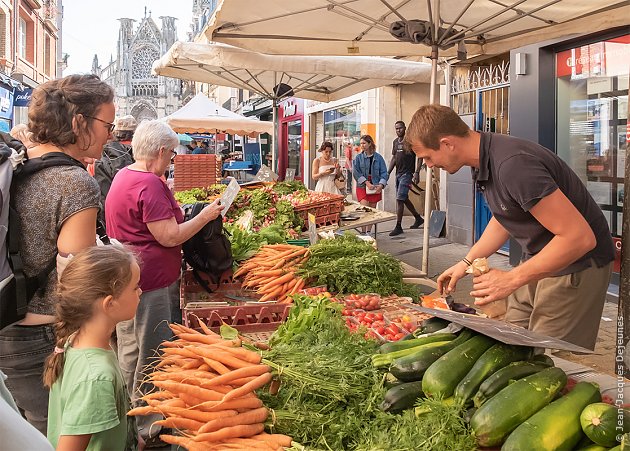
pixel 150 137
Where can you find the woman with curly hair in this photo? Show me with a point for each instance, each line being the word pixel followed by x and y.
pixel 69 118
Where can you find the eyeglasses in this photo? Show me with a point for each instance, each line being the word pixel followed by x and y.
pixel 110 126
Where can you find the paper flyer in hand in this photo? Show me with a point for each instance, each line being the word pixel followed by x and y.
pixel 228 196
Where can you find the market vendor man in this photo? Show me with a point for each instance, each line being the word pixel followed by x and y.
pixel 560 286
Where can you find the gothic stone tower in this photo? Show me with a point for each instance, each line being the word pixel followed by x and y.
pixel 138 92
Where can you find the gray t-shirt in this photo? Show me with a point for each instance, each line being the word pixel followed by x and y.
pixel 514 174
pixel 45 200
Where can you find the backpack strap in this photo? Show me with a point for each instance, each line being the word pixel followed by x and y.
pixel 24 285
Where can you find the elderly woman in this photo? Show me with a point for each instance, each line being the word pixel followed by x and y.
pixel 142 212
pixel 56 209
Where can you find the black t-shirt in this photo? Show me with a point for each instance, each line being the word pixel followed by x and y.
pixel 405 158
pixel 515 174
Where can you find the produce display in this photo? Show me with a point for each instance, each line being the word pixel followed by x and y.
pixel 350 265
pixel 206 391
pixel 272 272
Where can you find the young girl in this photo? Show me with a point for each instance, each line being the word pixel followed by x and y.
pixel 88 400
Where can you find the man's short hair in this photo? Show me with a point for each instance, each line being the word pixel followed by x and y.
pixel 431 123
pixel 400 122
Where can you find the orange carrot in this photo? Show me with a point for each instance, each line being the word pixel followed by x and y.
pixel 180 423
pixel 241 403
pixel 198 392
pixel 160 394
pixel 276 439
pixel 216 366
pixel 185 442
pixel 145 410
pixel 242 381
pixel 239 373
pixel 192 401
pixel 222 356
pixel 249 387
pixel 246 430
pixel 246 443
pixel 250 417
pixel 199 338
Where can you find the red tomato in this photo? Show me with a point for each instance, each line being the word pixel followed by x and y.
pixel 407 326
pixel 400 335
pixel 392 329
pixel 379 316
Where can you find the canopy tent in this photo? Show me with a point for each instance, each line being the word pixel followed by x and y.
pixel 202 115
pixel 380 27
pixel 362 27
pixel 275 77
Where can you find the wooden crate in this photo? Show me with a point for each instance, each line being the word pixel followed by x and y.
pixel 196 171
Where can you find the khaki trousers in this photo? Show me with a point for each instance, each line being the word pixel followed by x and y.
pixel 565 307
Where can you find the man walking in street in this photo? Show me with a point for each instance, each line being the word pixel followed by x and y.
pixel 560 286
pixel 407 171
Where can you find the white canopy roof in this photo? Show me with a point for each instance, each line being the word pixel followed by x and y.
pixel 361 27
pixel 318 78
pixel 202 115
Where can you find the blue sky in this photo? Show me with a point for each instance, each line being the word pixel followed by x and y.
pixel 91 27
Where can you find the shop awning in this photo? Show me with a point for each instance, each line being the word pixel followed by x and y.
pixel 202 115
pixel 362 27
pixel 273 76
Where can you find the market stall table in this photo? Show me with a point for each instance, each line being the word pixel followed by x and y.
pixel 361 216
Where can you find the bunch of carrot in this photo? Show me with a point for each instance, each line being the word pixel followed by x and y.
pixel 205 389
pixel 271 272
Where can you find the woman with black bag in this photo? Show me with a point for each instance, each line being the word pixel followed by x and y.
pixel 142 212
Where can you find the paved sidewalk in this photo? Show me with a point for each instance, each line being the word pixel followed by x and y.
pixel 443 254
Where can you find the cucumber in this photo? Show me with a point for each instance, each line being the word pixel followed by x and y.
pixel 505 411
pixel 393 346
pixel 401 397
pixel 432 324
pixel 543 359
pixel 557 426
pixel 382 360
pixel 442 377
pixel 489 363
pixel 412 367
pixel 503 377
pixel 600 421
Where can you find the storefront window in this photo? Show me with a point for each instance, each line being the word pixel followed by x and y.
pixel 592 113
pixel 295 145
pixel 342 127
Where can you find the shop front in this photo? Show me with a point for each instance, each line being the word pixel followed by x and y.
pixel 290 138
pixel 589 80
pixel 6 108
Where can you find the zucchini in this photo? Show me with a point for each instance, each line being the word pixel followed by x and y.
pixel 557 426
pixel 442 377
pixel 393 346
pixel 412 367
pixel 432 324
pixel 401 397
pixel 503 377
pixel 381 360
pixel 595 447
pixel 489 363
pixel 543 359
pixel 600 420
pixel 505 411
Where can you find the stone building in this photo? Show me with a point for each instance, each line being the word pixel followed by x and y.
pixel 138 92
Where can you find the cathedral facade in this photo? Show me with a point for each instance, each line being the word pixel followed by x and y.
pixel 138 92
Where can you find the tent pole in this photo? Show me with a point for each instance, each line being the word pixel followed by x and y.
pixel 428 195
pixel 274 148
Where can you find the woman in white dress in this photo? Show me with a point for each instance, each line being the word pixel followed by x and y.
pixel 325 169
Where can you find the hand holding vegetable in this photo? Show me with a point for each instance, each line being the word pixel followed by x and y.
pixel 447 281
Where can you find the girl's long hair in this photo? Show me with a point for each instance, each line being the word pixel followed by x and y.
pixel 91 275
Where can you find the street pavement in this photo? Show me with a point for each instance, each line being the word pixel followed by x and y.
pixel 407 247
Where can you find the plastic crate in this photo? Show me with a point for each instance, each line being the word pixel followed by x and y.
pixel 326 212
pixel 228 290
pixel 196 171
pixel 246 318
